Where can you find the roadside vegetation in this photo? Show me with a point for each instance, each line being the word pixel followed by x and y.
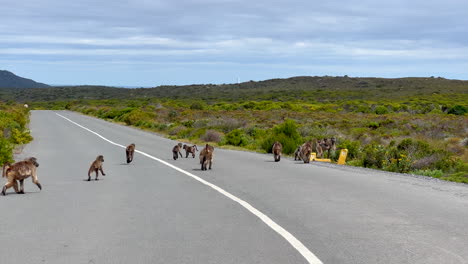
pixel 14 119
pixel 426 136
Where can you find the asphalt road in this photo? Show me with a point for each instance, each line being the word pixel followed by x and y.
pixel 150 212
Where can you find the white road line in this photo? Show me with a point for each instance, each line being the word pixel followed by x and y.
pixel 301 248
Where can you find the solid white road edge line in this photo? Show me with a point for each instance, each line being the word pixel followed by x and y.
pixel 301 248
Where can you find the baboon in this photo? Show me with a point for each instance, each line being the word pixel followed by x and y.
pixel 297 153
pixel 318 148
pixel 327 145
pixel 206 157
pixel 130 150
pixel 276 149
pixel 176 151
pixel 20 171
pixel 96 166
pixel 305 151
pixel 189 150
pixel 332 148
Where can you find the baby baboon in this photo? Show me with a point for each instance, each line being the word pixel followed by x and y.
pixel 332 144
pixel 206 157
pixel 96 166
pixel 189 150
pixel 318 148
pixel 297 153
pixel 20 171
pixel 276 149
pixel 176 151
pixel 306 150
pixel 130 150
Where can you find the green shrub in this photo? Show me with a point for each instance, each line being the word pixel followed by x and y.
pixel 287 134
pixel 6 151
pixel 18 137
pixel 381 110
pixel 136 115
pixel 197 106
pixel 236 137
pixel 458 110
pixel 353 147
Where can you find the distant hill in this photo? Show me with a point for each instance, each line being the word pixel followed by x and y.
pixel 304 88
pixel 10 80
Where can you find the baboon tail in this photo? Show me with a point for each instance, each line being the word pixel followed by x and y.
pixel 6 167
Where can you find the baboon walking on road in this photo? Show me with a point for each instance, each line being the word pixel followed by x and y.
pixel 276 149
pixel 206 157
pixel 129 151
pixel 96 166
pixel 305 151
pixel 176 151
pixel 190 150
pixel 20 171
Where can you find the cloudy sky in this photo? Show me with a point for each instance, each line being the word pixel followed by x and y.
pixel 157 42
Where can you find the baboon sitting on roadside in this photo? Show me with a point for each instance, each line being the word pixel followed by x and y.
pixel 20 171
pixel 190 150
pixel 176 151
pixel 318 148
pixel 327 145
pixel 96 166
pixel 276 149
pixel 206 157
pixel 130 151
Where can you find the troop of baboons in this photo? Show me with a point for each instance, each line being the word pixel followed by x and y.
pixel 206 154
pixel 322 146
pixel 27 168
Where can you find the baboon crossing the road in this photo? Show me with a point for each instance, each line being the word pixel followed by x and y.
pixel 20 171
pixel 130 151
pixel 176 151
pixel 190 150
pixel 96 166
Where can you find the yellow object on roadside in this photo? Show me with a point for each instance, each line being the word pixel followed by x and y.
pixel 342 158
pixel 313 156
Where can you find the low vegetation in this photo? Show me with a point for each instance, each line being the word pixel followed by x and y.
pixel 14 119
pixel 403 139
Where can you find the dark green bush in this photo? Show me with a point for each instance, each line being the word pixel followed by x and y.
pixel 458 110
pixel 287 134
pixel 353 147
